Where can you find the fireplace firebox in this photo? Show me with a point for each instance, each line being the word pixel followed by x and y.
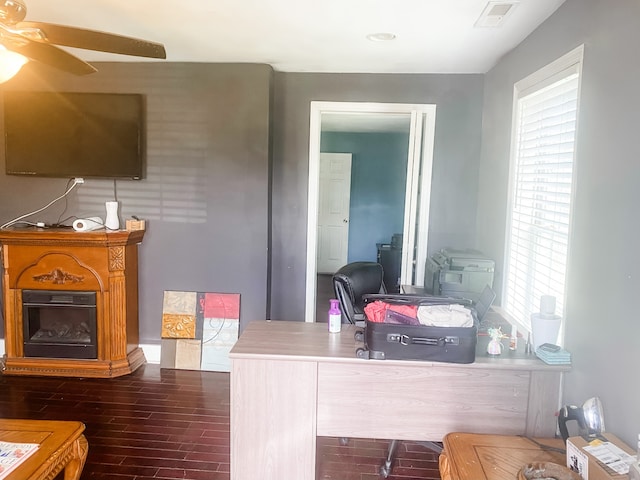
pixel 59 324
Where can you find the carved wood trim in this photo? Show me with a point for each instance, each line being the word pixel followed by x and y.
pixel 69 237
pixel 59 271
pixel 53 468
pixel 116 258
pixel 118 331
pixel 58 277
pixel 75 368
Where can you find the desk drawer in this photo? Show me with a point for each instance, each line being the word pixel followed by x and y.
pixel 377 400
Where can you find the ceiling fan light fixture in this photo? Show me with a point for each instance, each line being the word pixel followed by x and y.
pixel 381 37
pixel 10 64
pixel 12 11
pixel 40 42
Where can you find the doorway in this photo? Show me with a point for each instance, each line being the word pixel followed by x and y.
pixel 419 120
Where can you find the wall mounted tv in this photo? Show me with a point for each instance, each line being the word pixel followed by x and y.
pixel 53 134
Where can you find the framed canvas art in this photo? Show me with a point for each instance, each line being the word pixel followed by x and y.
pixel 199 329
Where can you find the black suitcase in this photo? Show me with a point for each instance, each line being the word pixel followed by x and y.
pixel 397 341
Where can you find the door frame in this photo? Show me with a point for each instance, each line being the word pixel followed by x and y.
pixel 419 172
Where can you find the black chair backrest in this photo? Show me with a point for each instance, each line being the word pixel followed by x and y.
pixel 353 281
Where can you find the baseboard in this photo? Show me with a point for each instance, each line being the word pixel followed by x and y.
pixel 151 352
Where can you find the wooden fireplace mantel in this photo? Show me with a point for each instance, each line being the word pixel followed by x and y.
pixel 66 260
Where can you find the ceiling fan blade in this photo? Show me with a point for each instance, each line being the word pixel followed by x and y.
pixel 94 40
pixel 48 54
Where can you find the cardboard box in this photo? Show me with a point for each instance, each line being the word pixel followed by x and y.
pixel 599 459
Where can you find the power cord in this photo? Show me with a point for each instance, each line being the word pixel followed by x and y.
pixel 76 181
pixel 66 205
pixel 542 446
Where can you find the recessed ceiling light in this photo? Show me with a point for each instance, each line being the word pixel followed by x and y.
pixel 381 37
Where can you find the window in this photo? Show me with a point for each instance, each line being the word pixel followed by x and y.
pixel 541 189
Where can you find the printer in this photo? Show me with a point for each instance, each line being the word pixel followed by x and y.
pixel 458 273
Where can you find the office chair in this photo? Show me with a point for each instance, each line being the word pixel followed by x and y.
pixel 350 283
pixel 353 281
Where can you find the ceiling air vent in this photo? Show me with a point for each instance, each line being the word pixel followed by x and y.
pixel 495 13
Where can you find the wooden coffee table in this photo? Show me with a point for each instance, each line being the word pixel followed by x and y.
pixel 470 456
pixel 62 447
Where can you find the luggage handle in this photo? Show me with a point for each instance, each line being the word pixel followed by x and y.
pixel 433 341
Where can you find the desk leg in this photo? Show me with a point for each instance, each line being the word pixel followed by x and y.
pixel 73 469
pixel 273 419
pixel 544 399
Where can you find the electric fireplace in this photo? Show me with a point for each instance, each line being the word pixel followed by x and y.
pixel 70 302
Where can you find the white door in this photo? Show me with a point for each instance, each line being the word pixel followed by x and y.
pixel 333 211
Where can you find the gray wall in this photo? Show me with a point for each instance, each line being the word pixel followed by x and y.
pixel 455 170
pixel 602 327
pixel 206 196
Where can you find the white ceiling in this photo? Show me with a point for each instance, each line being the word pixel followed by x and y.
pixel 432 36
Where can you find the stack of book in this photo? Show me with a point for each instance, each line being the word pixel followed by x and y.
pixel 553 356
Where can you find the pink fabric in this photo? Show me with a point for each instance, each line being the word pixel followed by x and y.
pixel 376 311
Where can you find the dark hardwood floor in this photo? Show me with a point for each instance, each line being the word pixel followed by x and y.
pixel 324 292
pixel 174 424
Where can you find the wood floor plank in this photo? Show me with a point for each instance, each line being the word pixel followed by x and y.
pixel 166 424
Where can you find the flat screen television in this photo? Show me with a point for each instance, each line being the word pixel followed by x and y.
pixel 53 134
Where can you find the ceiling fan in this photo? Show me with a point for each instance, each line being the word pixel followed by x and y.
pixel 37 41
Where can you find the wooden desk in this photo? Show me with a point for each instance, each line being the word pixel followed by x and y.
pixel 293 381
pixel 469 456
pixel 62 447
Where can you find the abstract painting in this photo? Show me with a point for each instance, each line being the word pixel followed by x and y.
pixel 199 329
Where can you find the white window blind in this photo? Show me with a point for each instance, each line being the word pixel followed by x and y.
pixel 543 153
